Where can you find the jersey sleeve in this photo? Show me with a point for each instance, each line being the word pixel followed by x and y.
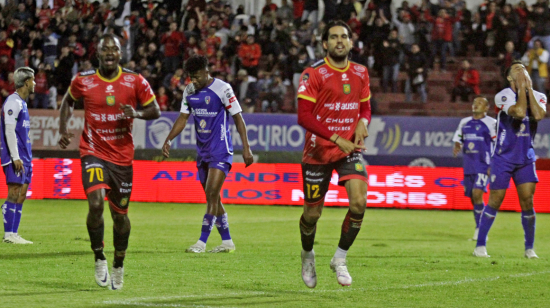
pixel 505 99
pixel 144 92
pixel 541 100
pixel 229 100
pixel 76 88
pixel 184 105
pixel 365 92
pixel 12 107
pixel 458 133
pixel 309 85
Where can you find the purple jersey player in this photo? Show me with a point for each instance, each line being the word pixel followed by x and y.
pixel 476 135
pixel 16 153
pixel 520 109
pixel 211 101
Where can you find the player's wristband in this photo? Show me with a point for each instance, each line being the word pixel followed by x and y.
pixel 169 142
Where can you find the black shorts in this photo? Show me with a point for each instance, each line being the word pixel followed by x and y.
pixel 117 180
pixel 317 177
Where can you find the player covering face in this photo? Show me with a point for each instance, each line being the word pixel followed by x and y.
pixel 211 101
pixel 110 96
pixel 334 108
pixel 520 109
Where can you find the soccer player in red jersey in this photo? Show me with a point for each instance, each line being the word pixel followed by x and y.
pixel 334 108
pixel 110 96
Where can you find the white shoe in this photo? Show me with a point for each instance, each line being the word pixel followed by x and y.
pixel 117 279
pixel 16 239
pixel 102 273
pixel 338 265
pixel 481 252
pixel 309 276
pixel 197 248
pixel 530 254
pixel 228 248
pixel 476 232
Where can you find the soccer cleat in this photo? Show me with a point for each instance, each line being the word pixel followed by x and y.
pixel 197 248
pixel 309 276
pixel 16 239
pixel 481 252
pixel 117 278
pixel 102 273
pixel 476 232
pixel 223 248
pixel 530 254
pixel 338 265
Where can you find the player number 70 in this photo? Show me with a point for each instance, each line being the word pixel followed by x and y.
pixel 98 173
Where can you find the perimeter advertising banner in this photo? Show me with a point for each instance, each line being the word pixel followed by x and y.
pixel 276 184
pixel 388 136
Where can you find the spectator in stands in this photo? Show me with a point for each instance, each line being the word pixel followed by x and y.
pixel 285 11
pixel 344 9
pixel 405 29
pixel 466 82
pixel 536 62
pixel 194 9
pixel 162 98
pixel 506 26
pixel 249 55
pixel 416 65
pixel 50 46
pixel 391 48
pixel 41 98
pixel 540 16
pixel 311 12
pixel 330 11
pixel 273 99
pixel 442 34
pixel 173 42
pixel 23 59
pixel 505 59
pixel 269 8
pixel 246 91
pixel 7 87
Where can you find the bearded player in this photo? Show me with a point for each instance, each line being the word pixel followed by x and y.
pixel 334 108
pixel 110 95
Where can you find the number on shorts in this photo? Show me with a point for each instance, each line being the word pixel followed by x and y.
pixel 314 189
pixel 482 179
pixel 98 173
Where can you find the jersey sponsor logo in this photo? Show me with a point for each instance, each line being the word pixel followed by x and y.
pixel 109 88
pixel 232 99
pixel 301 89
pixel 340 121
pixel 471 145
pixel 129 78
pixel 201 112
pixel 542 101
pixel 345 77
pixel 127 84
pixel 347 88
pixel 305 77
pixel 26 123
pixel 107 117
pixel 202 123
pixel 359 68
pixel 111 130
pixel 359 74
pixel 323 70
pixel 207 100
pixel 504 98
pixel 87 81
pixel 87 73
pixel 111 100
pixel 359 167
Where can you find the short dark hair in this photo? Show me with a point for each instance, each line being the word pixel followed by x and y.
pixel 108 35
pixel 481 96
pixel 509 68
pixel 334 23
pixel 196 63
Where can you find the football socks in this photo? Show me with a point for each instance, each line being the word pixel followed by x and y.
pixel 207 225
pixel 223 227
pixel 486 221
pixel 478 209
pixel 340 253
pixel 350 229
pixel 96 238
pixel 528 219
pixel 119 259
pixel 8 211
pixel 307 232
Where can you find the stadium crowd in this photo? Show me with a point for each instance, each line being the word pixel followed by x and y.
pixel 263 56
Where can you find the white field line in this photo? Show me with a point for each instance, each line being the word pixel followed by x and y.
pixel 143 301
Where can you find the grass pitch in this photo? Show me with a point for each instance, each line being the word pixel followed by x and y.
pixel 401 258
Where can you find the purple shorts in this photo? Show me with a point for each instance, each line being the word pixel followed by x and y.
pixel 204 166
pixel 13 177
pixel 477 181
pixel 502 171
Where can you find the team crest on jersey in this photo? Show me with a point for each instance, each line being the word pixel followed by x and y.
pixel 504 98
pixel 207 100
pixel 124 201
pixel 10 112
pixel 358 167
pixel 111 100
pixel 347 89
pixel 478 127
pixel 305 77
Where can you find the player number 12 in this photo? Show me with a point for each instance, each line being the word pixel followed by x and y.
pixel 315 189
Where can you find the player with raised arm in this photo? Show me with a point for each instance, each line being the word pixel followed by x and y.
pixel 476 135
pixel 110 95
pixel 211 101
pixel 16 152
pixel 520 109
pixel 334 108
